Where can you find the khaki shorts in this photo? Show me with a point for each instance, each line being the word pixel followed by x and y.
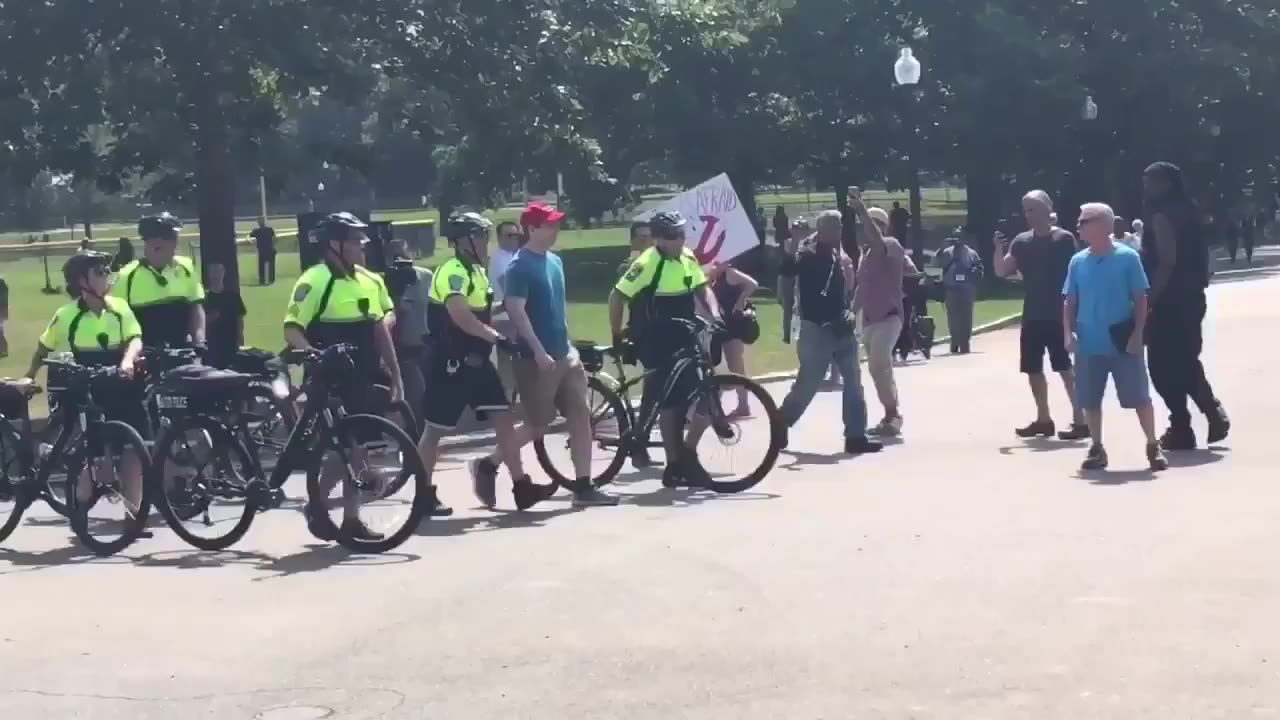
pixel 542 394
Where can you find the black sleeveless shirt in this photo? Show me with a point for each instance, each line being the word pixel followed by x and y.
pixel 1191 267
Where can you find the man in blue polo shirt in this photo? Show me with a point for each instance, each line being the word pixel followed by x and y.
pixel 1105 315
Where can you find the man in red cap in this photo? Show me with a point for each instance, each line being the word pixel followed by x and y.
pixel 553 379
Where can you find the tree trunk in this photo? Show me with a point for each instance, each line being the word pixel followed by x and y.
pixel 215 184
pixel 983 192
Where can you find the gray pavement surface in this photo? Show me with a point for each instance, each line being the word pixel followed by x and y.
pixel 960 574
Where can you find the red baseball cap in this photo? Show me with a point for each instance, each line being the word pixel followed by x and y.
pixel 539 214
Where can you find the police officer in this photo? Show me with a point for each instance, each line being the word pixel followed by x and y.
pixel 460 372
pixel 163 288
pixel 665 283
pixel 101 331
pixel 338 301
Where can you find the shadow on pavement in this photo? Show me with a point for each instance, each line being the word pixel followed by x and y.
pixel 1195 458
pixel 685 497
pixel 70 554
pixel 1245 275
pixel 1115 477
pixel 441 527
pixel 1043 445
pixel 800 459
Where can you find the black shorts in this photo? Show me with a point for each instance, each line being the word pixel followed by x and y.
pixel 1042 336
pixel 452 387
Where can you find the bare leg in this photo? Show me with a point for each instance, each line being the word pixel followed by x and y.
pixel 1040 392
pixel 1069 382
pixel 1094 418
pixel 735 356
pixel 131 480
pixel 579 426
pixel 510 441
pixel 429 448
pixel 521 435
pixel 1147 419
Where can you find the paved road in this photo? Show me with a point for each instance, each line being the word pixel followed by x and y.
pixel 962 574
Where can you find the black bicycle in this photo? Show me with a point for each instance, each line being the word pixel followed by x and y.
pixel 20 486
pixel 620 430
pixel 100 464
pixel 212 486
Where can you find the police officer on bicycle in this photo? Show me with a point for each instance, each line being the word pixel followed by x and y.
pixel 100 330
pixel 163 288
pixel 664 288
pixel 336 302
pixel 460 373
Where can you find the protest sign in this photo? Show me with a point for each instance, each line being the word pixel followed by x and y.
pixel 719 229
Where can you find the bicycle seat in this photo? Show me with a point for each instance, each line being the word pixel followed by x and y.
pixel 592 355
pixel 188 380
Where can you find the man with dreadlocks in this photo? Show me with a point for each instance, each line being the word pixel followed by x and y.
pixel 1177 261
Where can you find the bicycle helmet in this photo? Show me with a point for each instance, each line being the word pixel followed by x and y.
pixel 77 266
pixel 465 225
pixel 667 223
pixel 163 225
pixel 335 226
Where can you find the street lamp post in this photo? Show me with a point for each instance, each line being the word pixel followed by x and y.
pixel 906 72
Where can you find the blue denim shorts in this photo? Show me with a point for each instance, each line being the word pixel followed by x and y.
pixel 1130 371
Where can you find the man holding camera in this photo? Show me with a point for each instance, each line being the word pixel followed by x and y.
pixel 410 289
pixel 825 276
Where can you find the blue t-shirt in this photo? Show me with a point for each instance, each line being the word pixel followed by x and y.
pixel 1103 287
pixel 539 279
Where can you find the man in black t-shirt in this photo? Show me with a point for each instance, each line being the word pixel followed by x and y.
pixel 1176 257
pixel 1041 255
pixel 265 239
pixel 224 319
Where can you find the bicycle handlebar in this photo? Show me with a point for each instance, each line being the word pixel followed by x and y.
pixel 23 385
pixel 84 372
pixel 313 356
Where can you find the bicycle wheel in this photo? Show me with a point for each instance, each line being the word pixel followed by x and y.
pixel 14 494
pixel 199 481
pixel 55 483
pixel 350 490
pixel 108 500
pixel 402 417
pixel 268 420
pixel 743 439
pixel 609 424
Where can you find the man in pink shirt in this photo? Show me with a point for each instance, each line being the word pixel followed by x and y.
pixel 878 300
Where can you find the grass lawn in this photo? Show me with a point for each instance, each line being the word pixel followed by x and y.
pixel 591 259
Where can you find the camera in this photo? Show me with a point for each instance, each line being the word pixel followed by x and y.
pixel 400 275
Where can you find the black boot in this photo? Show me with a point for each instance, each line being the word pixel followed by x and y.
pixel 1178 439
pixel 1219 425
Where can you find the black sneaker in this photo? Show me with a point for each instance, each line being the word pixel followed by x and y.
pixel 357 530
pixel 484 480
pixel 585 494
pixel 319 525
pixel 696 475
pixel 1178 439
pixel 641 459
pixel 671 477
pixel 861 446
pixel 1078 431
pixel 1096 459
pixel 438 509
pixel 527 493
pixel 1156 458
pixel 1219 426
pixel 1039 428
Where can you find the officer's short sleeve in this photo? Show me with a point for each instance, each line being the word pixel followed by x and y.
pixel 383 298
pixel 55 335
pixel 303 303
pixel 638 276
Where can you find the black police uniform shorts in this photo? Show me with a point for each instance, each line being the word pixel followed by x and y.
pixel 1039 337
pixel 122 401
pixel 455 385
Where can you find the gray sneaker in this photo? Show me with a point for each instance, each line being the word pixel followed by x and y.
pixel 587 495
pixel 1096 459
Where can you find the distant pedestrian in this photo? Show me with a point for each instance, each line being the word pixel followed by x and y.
pixel 878 299
pixel 824 277
pixel 264 238
pixel 1248 235
pixel 899 221
pixel 1104 316
pixel 1041 255
pixel 733 290
pixel 1120 233
pixel 761 225
pixel 799 233
pixel 962 273
pixel 1233 239
pixel 1176 258
pixel 411 331
pixel 510 238
pixel 4 318
pixel 1137 234
pixel 224 318
pixel 781 227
